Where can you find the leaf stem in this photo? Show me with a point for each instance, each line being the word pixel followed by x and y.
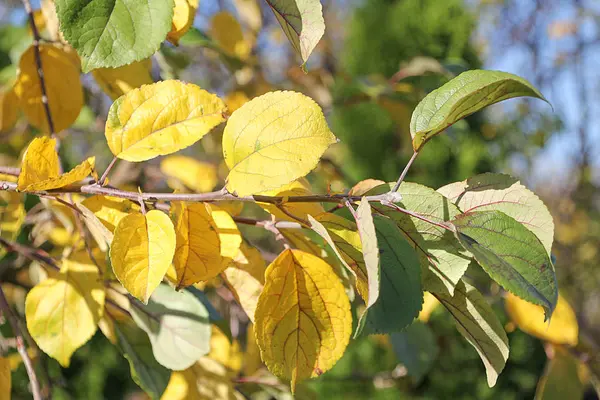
pixel 405 171
pixel 14 323
pixel 105 174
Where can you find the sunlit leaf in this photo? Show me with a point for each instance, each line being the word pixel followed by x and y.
pixel 8 109
pixel 177 325
pixel 272 140
pixel 63 87
pixel 63 311
pixel 416 348
pixel 161 119
pixel 303 334
pixel 476 321
pixel 462 96
pixel 142 251
pixel 225 350
pixel 562 328
pixel 110 210
pixel 183 19
pixel 430 304
pixel 299 187
pixel 229 235
pixel 511 255
pixel 112 33
pixel 302 22
pixel 196 175
pixel 115 82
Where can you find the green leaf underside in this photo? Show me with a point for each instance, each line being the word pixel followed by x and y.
pixel 400 294
pixel 504 193
pixel 462 96
pixel 302 22
pixel 476 321
pixel 442 258
pixel 511 255
pixel 146 372
pixel 416 347
pixel 113 33
pixel 368 239
pixel 177 324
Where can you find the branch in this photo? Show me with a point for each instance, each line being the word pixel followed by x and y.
pixel 405 171
pixel 38 61
pixel 14 323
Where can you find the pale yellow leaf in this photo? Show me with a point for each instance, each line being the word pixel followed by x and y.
pixel 198 251
pixel 110 210
pixel 63 311
pixel 562 328
pixel 225 351
pixel 183 19
pixel 8 109
pixel 430 303
pixel 227 32
pixel 5 379
pixel 40 168
pixel 51 19
pixel 272 140
pixel 246 277
pixel 229 235
pixel 142 251
pixel 161 119
pixel 303 333
pixel 205 380
pixel 115 82
pixel 299 187
pixel 61 67
pixel 198 176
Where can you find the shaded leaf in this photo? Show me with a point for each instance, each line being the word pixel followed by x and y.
pixel 8 109
pixel 416 347
pixel 299 187
pixel 561 379
pixel 115 82
pixel 196 175
pixel 5 379
pixel 227 32
pixel 272 140
pixel 511 255
pixel 12 216
pixel 183 19
pixel 462 96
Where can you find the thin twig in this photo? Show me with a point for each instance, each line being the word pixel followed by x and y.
pixel 38 62
pixel 405 171
pixel 105 174
pixel 14 323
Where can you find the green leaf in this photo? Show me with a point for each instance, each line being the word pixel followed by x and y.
pixel 177 324
pixel 400 294
pixel 146 372
pixel 504 193
pixel 511 255
pixel 462 96
pixel 442 258
pixel 302 22
pixel 476 321
pixel 416 347
pixel 561 378
pixel 368 239
pixel 113 33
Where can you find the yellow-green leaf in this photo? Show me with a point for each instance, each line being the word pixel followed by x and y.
pixel 198 251
pixel 562 329
pixel 8 109
pixel 272 140
pixel 5 379
pixel 562 378
pixel 303 333
pixel 196 175
pixel 160 119
pixel 63 311
pixel 115 82
pixel 299 187
pixel 142 251
pixel 183 18
pixel 40 168
pixel 63 87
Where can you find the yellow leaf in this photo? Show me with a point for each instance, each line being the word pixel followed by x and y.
pixel 5 379
pixel 161 119
pixel 252 361
pixel 110 210
pixel 61 75
pixel 363 187
pixel 299 187
pixel 272 140
pixel 62 312
pixel 198 251
pixel 562 329
pixel 303 318
pixel 141 252
pixel 40 168
pixel 235 100
pixel 183 18
pixel 8 109
pixel 198 176
pixel 205 380
pixel 229 235
pixel 12 216
pixel 246 277
pixel 430 303
pixel 227 32
pixel 224 351
pixel 115 82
